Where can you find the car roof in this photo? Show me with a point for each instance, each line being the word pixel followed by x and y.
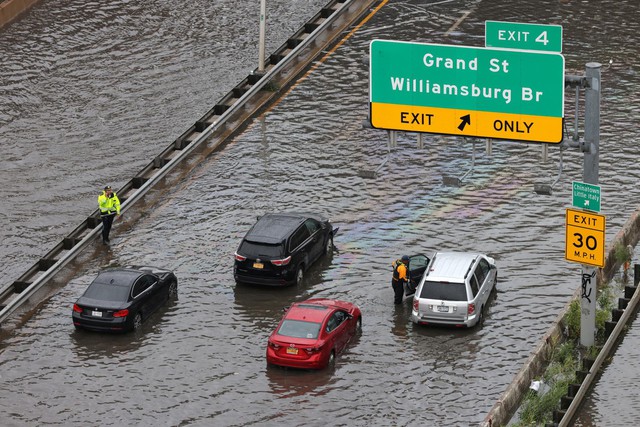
pixel 451 266
pixel 313 310
pixel 273 228
pixel 118 276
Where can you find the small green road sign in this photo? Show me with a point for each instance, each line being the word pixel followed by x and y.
pixel 586 196
pixel 514 35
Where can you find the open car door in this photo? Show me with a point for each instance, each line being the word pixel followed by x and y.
pixel 417 266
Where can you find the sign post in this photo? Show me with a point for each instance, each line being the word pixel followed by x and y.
pixel 466 91
pixel 585 244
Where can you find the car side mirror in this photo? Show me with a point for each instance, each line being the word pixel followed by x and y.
pixel 285 308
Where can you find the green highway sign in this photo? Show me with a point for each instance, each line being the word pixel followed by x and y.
pixel 586 196
pixel 467 91
pixel 515 35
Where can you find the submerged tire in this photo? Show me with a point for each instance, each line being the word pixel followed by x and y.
pixel 137 322
pixel 480 317
pixel 328 247
pixel 299 275
pixel 173 289
pixel 332 359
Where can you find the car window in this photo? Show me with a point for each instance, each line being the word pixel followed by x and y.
pixel 107 292
pixel 444 291
pixel 474 285
pixel 312 225
pixel 336 319
pixel 299 236
pixel 299 329
pixel 480 275
pixel 142 284
pixel 260 250
pixel 418 261
pixel 483 270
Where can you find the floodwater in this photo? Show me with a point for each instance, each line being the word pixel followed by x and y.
pixel 91 92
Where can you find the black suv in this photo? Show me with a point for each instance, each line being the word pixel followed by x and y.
pixel 280 247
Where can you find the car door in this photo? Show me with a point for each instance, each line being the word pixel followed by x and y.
pixel 417 266
pixel 485 279
pixel 300 246
pixel 336 330
pixel 316 246
pixel 142 294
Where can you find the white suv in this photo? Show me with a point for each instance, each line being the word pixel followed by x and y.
pixel 455 289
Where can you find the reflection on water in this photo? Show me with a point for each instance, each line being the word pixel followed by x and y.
pixel 202 360
pixel 289 382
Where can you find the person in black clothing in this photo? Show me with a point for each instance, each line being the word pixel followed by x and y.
pixel 399 278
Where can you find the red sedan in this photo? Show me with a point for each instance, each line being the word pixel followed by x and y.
pixel 312 333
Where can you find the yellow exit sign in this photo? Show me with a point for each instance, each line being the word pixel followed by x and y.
pixel 469 123
pixel 585 233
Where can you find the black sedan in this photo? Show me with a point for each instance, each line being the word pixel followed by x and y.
pixel 120 299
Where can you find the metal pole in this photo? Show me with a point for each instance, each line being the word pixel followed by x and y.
pixel 263 12
pixel 590 176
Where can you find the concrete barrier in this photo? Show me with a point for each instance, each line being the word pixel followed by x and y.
pixel 11 9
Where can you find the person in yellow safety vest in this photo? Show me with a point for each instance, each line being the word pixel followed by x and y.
pixel 399 278
pixel 109 207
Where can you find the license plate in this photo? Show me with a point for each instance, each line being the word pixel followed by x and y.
pixel 96 313
pixel 443 309
pixel 291 350
pixel 258 265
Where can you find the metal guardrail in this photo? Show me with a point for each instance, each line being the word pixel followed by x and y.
pixel 568 417
pixel 281 67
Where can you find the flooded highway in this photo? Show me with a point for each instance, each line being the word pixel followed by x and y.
pixel 88 102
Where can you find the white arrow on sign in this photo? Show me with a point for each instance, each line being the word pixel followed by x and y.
pixel 586 203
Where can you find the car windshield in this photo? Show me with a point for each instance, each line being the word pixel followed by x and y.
pixel 299 329
pixel 257 250
pixel 444 291
pixel 107 292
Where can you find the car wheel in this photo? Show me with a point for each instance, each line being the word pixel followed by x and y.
pixel 173 289
pixel 332 359
pixel 299 275
pixel 137 322
pixel 329 246
pixel 481 317
pixel 359 325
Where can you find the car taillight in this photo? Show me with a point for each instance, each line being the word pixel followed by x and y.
pixel 416 304
pixel 281 262
pixel 273 345
pixel 121 313
pixel 239 257
pixel 312 350
pixel 77 308
pixel 471 308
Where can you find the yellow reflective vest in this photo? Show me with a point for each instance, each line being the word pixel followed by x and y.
pixel 399 270
pixel 108 205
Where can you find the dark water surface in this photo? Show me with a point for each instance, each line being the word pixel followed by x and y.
pixel 85 102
